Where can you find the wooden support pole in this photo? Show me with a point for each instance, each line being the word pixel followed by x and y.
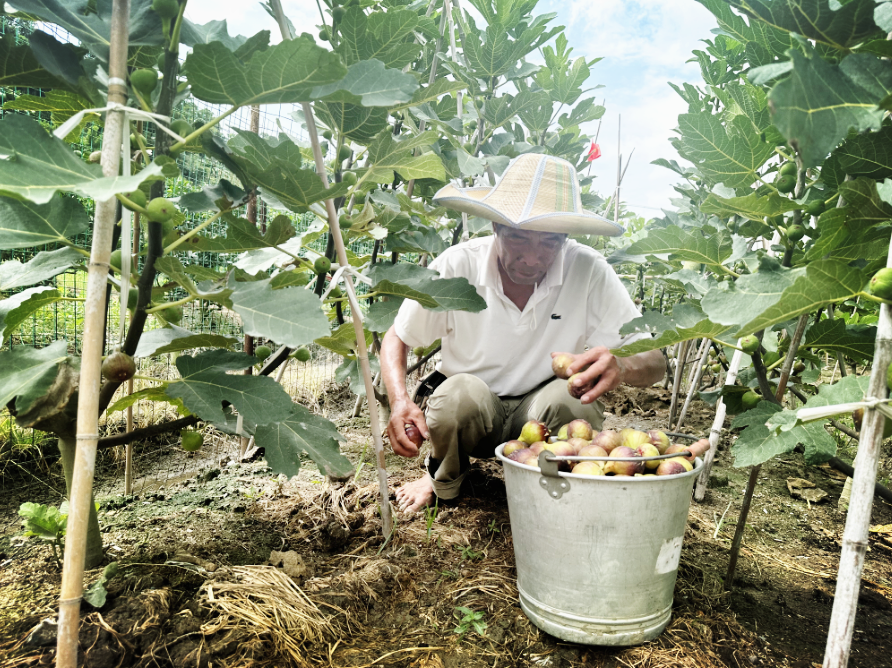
pixel 695 382
pixel 91 360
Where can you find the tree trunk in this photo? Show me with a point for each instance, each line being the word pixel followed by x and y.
pixel 94 553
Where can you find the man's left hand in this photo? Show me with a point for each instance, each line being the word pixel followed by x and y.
pixel 599 372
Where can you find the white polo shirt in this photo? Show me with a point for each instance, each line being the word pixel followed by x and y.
pixel 580 304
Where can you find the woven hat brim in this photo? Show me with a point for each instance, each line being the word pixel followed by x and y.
pixel 468 200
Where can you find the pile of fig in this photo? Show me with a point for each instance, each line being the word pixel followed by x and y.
pixel 577 438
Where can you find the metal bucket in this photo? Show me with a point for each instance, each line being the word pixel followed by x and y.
pixel 597 557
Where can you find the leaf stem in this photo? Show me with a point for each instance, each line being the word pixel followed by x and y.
pixel 191 233
pixel 873 298
pixel 207 126
pixel 174 45
pixel 82 251
pixel 133 206
pixel 165 305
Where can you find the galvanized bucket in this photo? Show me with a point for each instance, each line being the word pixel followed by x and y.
pixel 597 557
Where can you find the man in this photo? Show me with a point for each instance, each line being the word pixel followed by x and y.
pixel 545 294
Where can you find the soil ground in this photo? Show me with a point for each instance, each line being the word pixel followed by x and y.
pixel 196 588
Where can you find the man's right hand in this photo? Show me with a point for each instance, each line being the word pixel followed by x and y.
pixel 407 428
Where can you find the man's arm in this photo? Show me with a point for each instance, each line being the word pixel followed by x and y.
pixel 600 371
pixel 403 411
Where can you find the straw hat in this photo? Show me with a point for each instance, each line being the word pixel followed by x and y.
pixel 537 192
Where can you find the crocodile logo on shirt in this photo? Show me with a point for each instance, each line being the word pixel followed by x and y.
pixel 555 316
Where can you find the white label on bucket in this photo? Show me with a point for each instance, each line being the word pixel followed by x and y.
pixel 670 553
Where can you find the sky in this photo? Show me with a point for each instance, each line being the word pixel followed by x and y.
pixel 644 45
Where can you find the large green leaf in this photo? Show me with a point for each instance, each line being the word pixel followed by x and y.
pixel 43 266
pixel 424 286
pixel 757 443
pixel 219 197
pixel 285 73
pixel 284 441
pixel 751 207
pixel 342 341
pixel 36 165
pixel 835 336
pixel 90 21
pixel 62 104
pixel 24 224
pixel 275 166
pixel 773 41
pixel 729 154
pixel 689 245
pixel 846 25
pixel 432 93
pixel 382 314
pixel 242 235
pixel 380 35
pixel 215 31
pixel 868 154
pixel 17 309
pixel 19 67
pixel 204 385
pixel 370 84
pixel 26 373
pixel 819 103
pixel 289 316
pixel 350 371
pixel 742 302
pixel 45 522
pixel 353 121
pixel 173 339
pixel 686 322
pixel 847 390
pixel 388 155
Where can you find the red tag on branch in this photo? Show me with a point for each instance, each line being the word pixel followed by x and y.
pixel 594 152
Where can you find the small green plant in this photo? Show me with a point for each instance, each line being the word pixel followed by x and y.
pixel 470 554
pixel 492 528
pixel 46 523
pixel 430 516
pixel 469 619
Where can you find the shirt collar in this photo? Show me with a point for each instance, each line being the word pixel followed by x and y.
pixel 488 272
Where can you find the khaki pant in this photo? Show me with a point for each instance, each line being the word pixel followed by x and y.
pixel 467 420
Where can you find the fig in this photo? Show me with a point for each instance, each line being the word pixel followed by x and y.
pixel 674 448
pixel 302 354
pixel 132 298
pixel 592 451
pixel 749 344
pixel 588 468
pixel 135 139
pixel 580 429
pixel 799 366
pixel 322 265
pixel 345 221
pixel 563 433
pixel 881 283
pixel 538 447
pixel 173 314
pixel 623 468
pixel 608 439
pixel 418 352
pixel 533 431
pixel 115 259
pixel 118 367
pixel 858 418
pixel 166 9
pixel 335 292
pixel 788 169
pixel 138 197
pixel 344 153
pixel 262 352
pixel 815 207
pixel 750 399
pixel 513 446
pixel 576 443
pixel 649 450
pixel 659 439
pixel 560 364
pixel 349 178
pixel 795 232
pixel 561 449
pixel 160 210
pixel 716 368
pixel 95 156
pixel 674 466
pixel 145 81
pixel 632 438
pixel 324 35
pixel 524 456
pixel 182 127
pixel 327 135
pixel 191 440
pixel 785 184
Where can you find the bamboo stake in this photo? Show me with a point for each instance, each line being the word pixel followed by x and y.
pixel 676 384
pixel 128 449
pixel 91 360
pixel 715 432
pixel 854 540
pixel 386 514
pixel 695 382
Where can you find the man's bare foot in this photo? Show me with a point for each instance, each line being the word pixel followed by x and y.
pixel 415 495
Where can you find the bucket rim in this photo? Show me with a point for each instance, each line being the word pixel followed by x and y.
pixel 616 479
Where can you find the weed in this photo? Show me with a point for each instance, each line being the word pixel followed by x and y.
pixel 430 516
pixel 467 620
pixel 492 528
pixel 46 523
pixel 470 554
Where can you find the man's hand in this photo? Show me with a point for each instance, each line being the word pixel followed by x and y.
pixel 599 372
pixel 407 428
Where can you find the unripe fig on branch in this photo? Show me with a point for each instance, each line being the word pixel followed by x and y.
pixel 749 344
pixel 160 210
pixel 881 283
pixel 118 367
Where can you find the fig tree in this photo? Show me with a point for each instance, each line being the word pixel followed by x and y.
pixel 262 352
pixel 749 344
pixel 145 81
pixel 881 283
pixel 191 440
pixel 118 367
pixel 302 354
pixel 322 265
pixel 750 399
pixel 785 184
pixel 160 210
